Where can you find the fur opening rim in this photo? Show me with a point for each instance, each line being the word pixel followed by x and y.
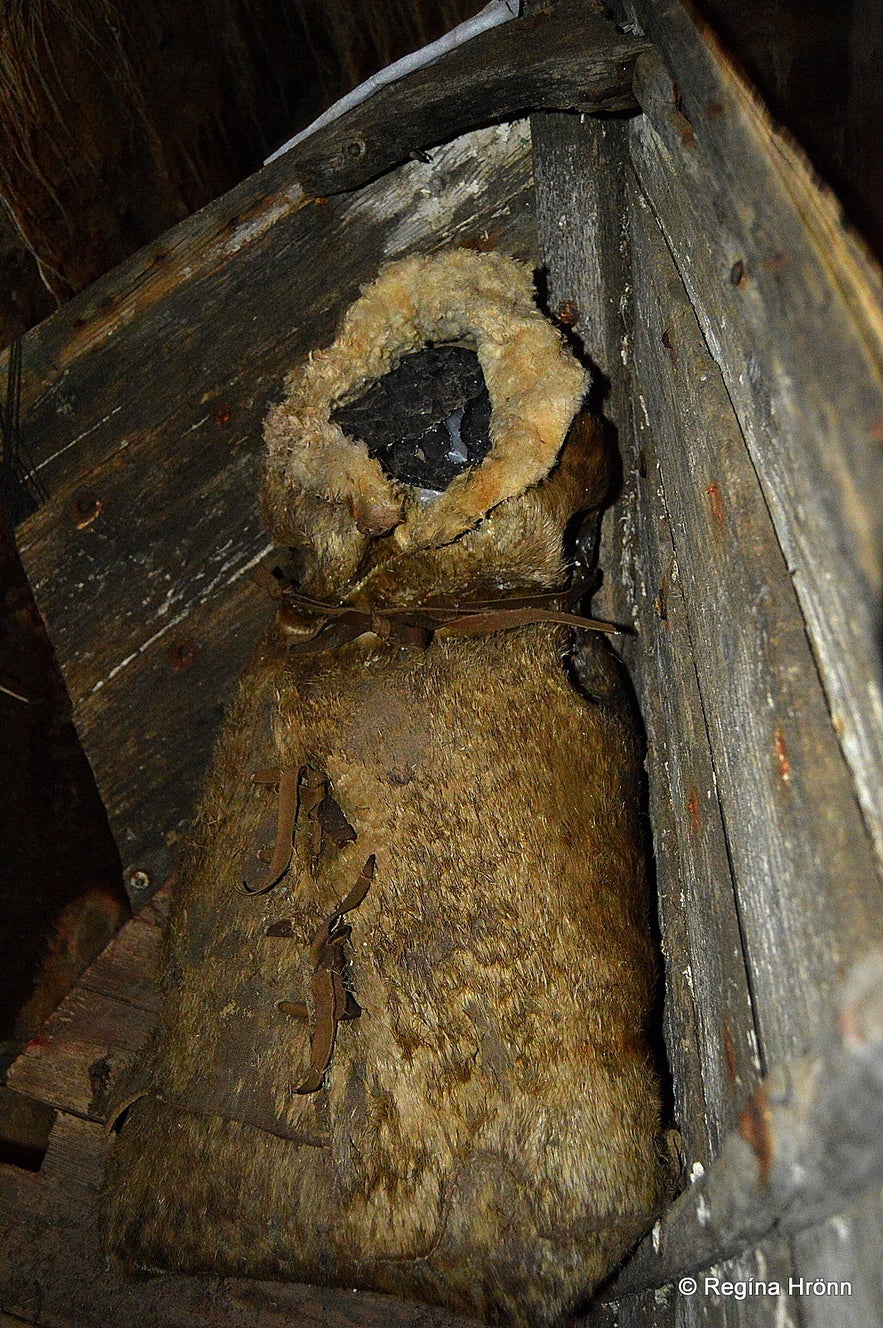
pixel 534 383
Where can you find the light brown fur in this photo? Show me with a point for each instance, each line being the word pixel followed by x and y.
pixel 487 1135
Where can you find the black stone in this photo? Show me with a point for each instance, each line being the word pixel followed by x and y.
pixel 409 419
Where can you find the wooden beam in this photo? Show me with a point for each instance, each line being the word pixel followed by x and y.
pixel 807 896
pixel 724 186
pixel 573 58
pixel 792 310
pixel 77 1059
pixel 582 182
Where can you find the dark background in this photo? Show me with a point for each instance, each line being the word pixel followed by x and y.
pixel 118 121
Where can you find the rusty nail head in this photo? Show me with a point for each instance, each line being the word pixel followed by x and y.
pixel 356 149
pixel 568 313
pixel 137 880
pixel 85 508
pixel 222 413
pixel 182 654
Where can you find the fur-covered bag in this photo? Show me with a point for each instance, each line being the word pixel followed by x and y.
pixel 405 1049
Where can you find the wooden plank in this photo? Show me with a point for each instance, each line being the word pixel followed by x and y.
pixel 579 172
pixel 573 58
pixel 808 1143
pixel 793 963
pixel 711 1033
pixel 808 897
pixel 79 1055
pixel 216 310
pixel 53 1272
pixel 845 1249
pixel 128 969
pixel 150 728
pixel 709 997
pixel 77 1060
pixel 792 310
pixel 581 177
pixel 143 402
pixel 579 214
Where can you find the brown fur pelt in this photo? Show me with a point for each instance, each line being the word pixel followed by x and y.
pixel 485 1137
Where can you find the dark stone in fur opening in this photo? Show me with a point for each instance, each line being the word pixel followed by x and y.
pixel 427 419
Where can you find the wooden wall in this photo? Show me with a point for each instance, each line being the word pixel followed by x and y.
pixel 737 328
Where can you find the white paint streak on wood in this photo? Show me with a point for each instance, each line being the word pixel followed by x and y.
pixel 493 14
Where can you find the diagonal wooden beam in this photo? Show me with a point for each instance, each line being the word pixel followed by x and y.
pixel 570 59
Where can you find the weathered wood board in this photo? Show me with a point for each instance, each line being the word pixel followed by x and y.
pixel 764 834
pixel 582 200
pixel 792 310
pixel 143 402
pixel 702 716
pixel 750 449
pixel 808 900
pixel 569 57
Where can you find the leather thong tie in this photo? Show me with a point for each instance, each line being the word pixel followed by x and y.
pixel 416 625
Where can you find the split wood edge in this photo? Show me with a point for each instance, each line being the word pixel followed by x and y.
pixel 809 1141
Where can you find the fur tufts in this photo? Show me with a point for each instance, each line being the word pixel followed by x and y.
pixel 534 384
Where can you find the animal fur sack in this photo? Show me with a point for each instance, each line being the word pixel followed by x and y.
pixel 457 857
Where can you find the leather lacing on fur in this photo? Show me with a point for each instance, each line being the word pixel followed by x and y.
pixel 305 792
pixel 416 625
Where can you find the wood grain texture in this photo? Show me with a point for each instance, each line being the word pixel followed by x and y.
pixel 767 266
pixel 143 405
pixel 792 309
pixel 799 952
pixel 78 1057
pixel 77 1060
pixel 808 1142
pixel 711 1021
pixel 573 58
pixel 581 197
pixel 804 398
pixel 579 206
pixel 807 894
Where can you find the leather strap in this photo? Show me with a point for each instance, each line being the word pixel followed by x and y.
pixel 415 625
pixel 288 782
pixel 331 1001
pixel 304 791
